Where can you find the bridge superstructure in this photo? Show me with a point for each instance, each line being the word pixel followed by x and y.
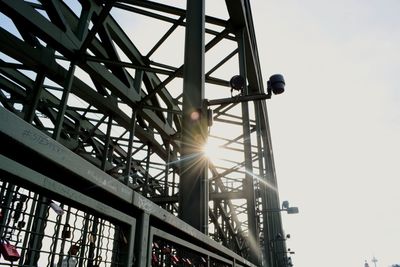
pixel 105 109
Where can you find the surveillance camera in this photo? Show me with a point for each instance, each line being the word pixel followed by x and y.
pixel 285 204
pixel 276 83
pixel 237 82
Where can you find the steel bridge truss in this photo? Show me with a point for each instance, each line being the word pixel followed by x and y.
pixel 86 78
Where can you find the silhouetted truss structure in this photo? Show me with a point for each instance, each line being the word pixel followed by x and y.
pixel 104 79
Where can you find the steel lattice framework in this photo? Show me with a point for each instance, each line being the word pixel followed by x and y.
pixel 86 74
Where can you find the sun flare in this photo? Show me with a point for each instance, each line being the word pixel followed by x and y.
pixel 213 150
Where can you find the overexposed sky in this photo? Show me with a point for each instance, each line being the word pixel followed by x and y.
pixel 336 130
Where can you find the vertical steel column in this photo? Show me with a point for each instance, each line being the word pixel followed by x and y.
pixel 127 171
pixel 27 238
pixel 248 183
pixel 106 144
pixel 136 85
pixel 274 218
pixel 92 244
pixel 64 101
pixel 33 98
pixel 193 190
pixel 147 176
pixel 36 238
pixel 167 169
pixel 131 246
pixel 142 239
pixel 265 247
pixel 83 238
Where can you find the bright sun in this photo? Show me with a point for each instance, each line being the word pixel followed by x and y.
pixel 207 149
pixel 212 150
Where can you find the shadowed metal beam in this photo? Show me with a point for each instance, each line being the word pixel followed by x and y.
pixel 193 184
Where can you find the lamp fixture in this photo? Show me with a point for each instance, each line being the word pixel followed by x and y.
pixel 285 207
pixel 288 209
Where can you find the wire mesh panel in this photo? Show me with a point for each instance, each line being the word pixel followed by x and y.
pixel 38 231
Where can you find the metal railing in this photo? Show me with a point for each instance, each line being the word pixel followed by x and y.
pixel 59 217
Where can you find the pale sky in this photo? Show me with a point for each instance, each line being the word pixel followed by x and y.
pixel 336 130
